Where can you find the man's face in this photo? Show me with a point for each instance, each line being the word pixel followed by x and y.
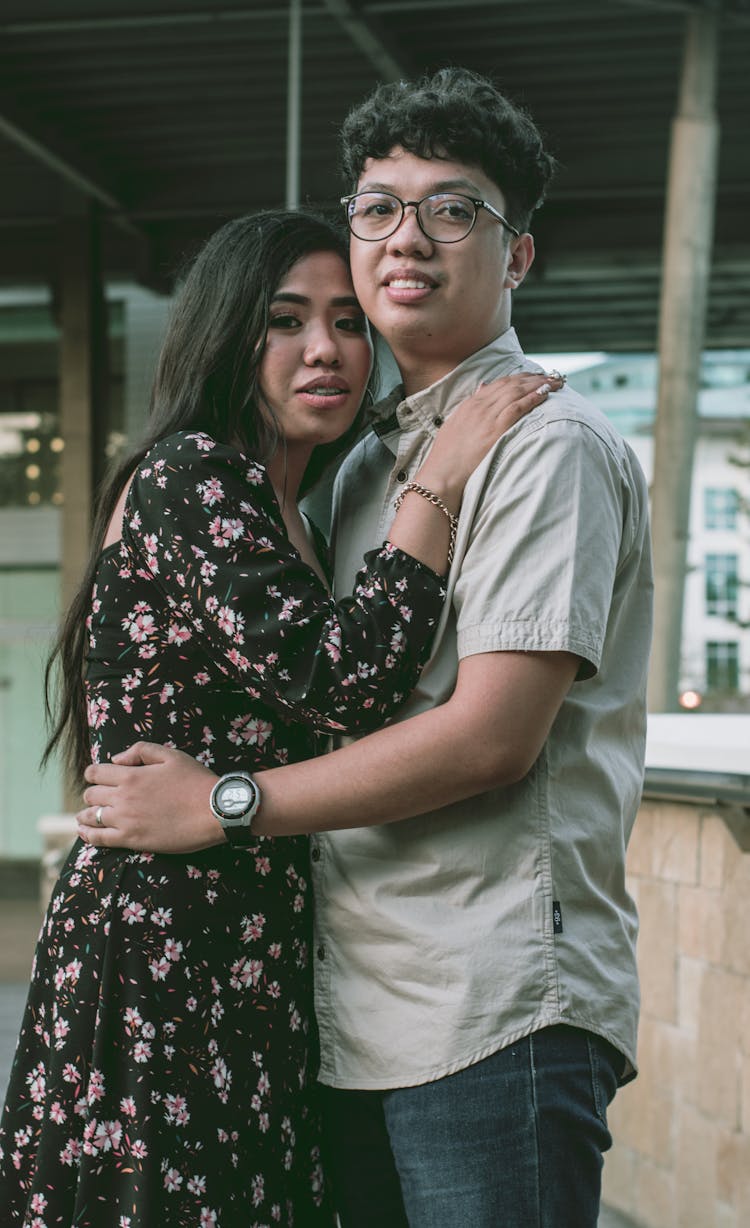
pixel 436 303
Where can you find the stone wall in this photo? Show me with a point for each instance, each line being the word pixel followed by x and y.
pixel 681 1157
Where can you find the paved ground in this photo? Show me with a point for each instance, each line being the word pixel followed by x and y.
pixel 19 925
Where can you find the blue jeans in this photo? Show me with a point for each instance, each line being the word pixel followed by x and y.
pixel 515 1141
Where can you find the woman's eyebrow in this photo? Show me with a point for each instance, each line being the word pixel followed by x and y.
pixel 343 300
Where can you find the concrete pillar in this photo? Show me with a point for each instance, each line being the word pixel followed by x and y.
pixel 83 388
pixel 686 266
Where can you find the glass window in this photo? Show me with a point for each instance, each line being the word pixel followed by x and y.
pixel 722 665
pixel 721 585
pixel 720 507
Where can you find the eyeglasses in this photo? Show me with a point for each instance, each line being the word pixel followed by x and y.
pixel 444 217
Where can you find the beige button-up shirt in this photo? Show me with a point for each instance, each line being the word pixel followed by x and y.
pixel 446 937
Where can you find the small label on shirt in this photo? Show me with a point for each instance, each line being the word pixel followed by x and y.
pixel 557 924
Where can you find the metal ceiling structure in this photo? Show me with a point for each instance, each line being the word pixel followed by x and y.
pixel 173 115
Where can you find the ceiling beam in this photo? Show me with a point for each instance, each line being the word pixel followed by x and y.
pixel 70 169
pixel 367 33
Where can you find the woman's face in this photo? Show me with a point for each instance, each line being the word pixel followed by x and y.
pixel 318 352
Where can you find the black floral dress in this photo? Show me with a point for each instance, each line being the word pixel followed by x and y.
pixel 164 1075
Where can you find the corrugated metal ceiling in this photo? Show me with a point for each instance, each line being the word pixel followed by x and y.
pixel 174 112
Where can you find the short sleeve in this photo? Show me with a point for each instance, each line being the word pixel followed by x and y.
pixel 539 570
pixel 203 523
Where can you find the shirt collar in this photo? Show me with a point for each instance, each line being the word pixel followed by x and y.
pixel 430 406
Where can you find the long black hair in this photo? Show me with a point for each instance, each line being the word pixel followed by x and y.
pixel 207 379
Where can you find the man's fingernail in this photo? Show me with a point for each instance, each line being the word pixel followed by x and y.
pixel 543 389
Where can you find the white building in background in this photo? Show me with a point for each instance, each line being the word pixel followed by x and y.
pixel 716 622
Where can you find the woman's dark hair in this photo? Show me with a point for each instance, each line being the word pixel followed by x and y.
pixel 207 379
pixel 454 114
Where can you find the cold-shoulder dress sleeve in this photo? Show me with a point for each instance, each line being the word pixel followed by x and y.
pixel 203 524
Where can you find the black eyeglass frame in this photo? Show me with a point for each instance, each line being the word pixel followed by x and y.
pixel 475 201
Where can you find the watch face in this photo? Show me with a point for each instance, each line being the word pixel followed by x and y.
pixel 235 797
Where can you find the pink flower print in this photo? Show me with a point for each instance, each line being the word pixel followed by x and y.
pixel 208 1218
pixel 167 691
pixel 288 606
pixel 212 604
pixel 148 1031
pixel 70 1073
pixel 202 442
pixel 252 928
pixel 142 1050
pixel 139 622
pixel 57 1114
pixel 251 731
pixel 133 912
pixel 235 657
pixel 210 491
pixel 295 1021
pixel 257 1186
pixel 262 866
pixel 73 971
pixel 172 1180
pixel 273 989
pixel 397 641
pixel 131 681
pixel 139 1149
pixel 274 950
pixel 71 1153
pixel 159 968
pixel 225 531
pixel 178 635
pixel 97 712
pixel 62 1027
pixel 227 620
pixel 127 703
pixel 208 571
pixel 221 1076
pixel 95 1089
pixel 162 916
pixel 201 678
pixel 333 643
pixel 127 1106
pixel 264 1084
pixel 132 1017
pixel 38 1203
pixel 37 1084
pixel 172 949
pixel 254 475
pixel 108 1135
pixel 176 1112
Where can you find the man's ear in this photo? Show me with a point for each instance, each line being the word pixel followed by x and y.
pixel 521 260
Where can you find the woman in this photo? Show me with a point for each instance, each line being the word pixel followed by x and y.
pixel 161 1074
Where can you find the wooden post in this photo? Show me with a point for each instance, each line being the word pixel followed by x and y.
pixel 83 391
pixel 686 266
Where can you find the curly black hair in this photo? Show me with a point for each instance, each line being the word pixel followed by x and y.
pixel 454 114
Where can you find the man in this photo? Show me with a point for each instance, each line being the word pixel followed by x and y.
pixel 476 989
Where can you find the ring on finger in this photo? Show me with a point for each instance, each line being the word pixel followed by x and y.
pixel 98 815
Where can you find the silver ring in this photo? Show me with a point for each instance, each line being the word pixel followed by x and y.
pixel 98 816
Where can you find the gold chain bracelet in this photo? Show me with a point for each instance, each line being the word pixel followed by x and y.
pixel 436 501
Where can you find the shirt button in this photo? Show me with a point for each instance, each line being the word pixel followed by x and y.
pixel 315 854
pixel 438 421
pixel 321 952
pixel 402 475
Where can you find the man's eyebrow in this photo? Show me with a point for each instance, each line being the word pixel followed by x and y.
pixel 442 185
pixel 342 300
